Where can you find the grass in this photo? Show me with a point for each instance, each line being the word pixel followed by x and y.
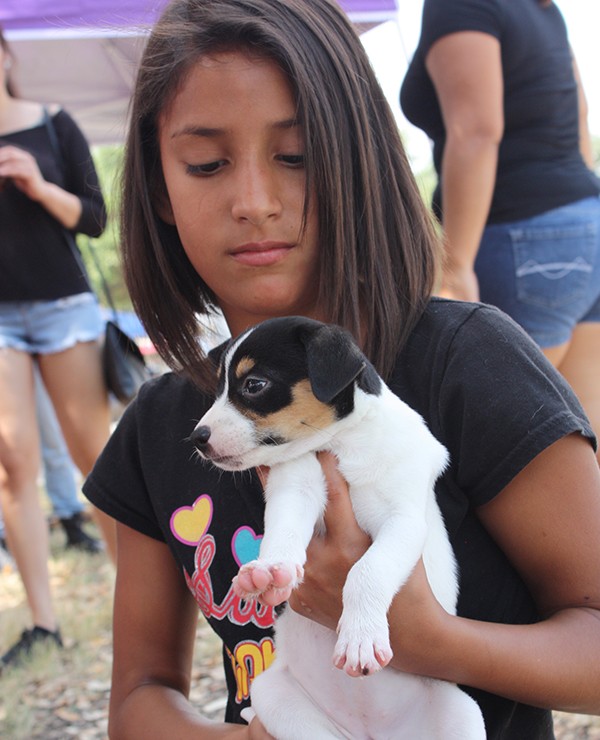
pixel 64 694
pixel 58 692
pixel 61 694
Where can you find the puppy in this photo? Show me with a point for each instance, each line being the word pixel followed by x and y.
pixel 288 388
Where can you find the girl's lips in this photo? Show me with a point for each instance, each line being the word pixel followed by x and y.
pixel 261 254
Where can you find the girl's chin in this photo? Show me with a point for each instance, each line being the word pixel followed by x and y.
pixel 251 313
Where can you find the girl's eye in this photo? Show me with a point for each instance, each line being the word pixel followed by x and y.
pixel 205 169
pixel 293 160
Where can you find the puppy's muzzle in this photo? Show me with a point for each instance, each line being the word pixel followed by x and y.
pixel 200 438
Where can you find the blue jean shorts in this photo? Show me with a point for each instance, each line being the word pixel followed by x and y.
pixel 44 327
pixel 544 271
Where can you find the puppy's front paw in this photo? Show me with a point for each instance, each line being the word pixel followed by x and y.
pixel 252 579
pixel 360 651
pixel 271 583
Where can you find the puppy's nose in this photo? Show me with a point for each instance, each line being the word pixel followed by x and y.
pixel 200 436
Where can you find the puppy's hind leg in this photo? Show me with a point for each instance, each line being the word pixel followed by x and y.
pixel 287 711
pixel 455 715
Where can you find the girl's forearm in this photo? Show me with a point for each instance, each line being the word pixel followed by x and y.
pixel 154 712
pixel 64 206
pixel 554 663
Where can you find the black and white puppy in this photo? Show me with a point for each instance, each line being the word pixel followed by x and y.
pixel 288 388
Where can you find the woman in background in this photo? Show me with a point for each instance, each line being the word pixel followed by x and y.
pixel 495 85
pixel 47 314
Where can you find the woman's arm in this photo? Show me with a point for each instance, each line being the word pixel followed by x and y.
pixel 155 619
pixel 79 206
pixel 80 175
pixel 466 71
pixel 23 170
pixel 547 521
pixel 585 139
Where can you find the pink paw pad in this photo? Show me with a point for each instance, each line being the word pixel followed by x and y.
pixel 272 582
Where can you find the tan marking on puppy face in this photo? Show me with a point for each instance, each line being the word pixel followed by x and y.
pixel 302 417
pixel 244 366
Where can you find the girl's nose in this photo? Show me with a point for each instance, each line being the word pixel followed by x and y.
pixel 256 198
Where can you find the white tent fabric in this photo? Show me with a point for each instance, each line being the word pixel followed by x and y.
pixel 83 54
pixel 89 75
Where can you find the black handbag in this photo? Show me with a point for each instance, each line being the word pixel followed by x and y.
pixel 123 363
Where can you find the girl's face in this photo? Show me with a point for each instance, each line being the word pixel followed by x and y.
pixel 232 154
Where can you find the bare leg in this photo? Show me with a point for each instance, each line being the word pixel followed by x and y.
pixel 579 362
pixel 74 382
pixel 26 528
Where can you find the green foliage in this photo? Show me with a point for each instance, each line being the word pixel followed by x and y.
pixel 108 161
pixel 596 150
pixel 426 180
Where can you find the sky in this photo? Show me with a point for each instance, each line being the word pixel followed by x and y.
pixel 391 45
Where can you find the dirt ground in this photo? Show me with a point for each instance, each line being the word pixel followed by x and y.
pixel 62 695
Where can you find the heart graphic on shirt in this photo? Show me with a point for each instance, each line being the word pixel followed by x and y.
pixel 245 545
pixel 190 523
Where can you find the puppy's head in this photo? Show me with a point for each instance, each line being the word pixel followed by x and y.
pixel 282 387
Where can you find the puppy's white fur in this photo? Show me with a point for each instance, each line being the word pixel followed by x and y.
pixel 391 461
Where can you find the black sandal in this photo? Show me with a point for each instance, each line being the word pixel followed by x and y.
pixel 77 537
pixel 21 650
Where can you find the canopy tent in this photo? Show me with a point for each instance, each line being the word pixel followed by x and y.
pixel 83 53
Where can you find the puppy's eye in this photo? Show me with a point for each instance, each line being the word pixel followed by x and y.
pixel 254 386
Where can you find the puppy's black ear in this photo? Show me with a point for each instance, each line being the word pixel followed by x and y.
pixel 334 360
pixel 216 353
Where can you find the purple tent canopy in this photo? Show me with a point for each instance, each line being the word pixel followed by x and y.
pixel 83 54
pixel 54 14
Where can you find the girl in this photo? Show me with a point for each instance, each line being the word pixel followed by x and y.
pixel 264 176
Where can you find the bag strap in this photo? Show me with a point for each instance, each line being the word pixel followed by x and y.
pixel 103 280
pixel 54 143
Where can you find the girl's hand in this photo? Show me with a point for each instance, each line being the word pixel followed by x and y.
pixel 22 169
pixel 255 729
pixel 416 618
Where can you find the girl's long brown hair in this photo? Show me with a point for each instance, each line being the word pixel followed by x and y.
pixel 378 248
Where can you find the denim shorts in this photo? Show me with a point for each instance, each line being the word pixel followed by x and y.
pixel 44 327
pixel 544 271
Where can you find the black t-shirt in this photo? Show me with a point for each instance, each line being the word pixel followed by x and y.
pixel 486 392
pixel 36 262
pixel 539 164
